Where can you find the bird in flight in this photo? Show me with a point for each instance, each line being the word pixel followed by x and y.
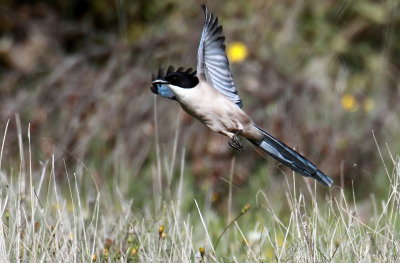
pixel 209 95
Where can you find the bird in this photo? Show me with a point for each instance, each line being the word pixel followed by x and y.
pixel 210 96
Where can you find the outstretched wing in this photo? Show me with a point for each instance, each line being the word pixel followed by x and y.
pixel 212 61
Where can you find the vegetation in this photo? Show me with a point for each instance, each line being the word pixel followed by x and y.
pixel 41 222
pixel 93 167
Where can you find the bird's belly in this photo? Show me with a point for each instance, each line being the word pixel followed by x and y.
pixel 218 116
pixel 214 110
pixel 218 124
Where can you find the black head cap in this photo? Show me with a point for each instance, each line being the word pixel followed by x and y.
pixel 182 79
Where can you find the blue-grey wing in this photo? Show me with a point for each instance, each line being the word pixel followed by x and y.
pixel 212 61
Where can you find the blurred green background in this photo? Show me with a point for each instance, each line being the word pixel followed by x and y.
pixel 323 76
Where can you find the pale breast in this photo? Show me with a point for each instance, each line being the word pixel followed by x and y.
pixel 212 108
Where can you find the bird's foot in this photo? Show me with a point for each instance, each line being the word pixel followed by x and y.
pixel 235 143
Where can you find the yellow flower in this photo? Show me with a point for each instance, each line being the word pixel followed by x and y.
pixel 237 52
pixel 202 252
pixel 214 197
pixel 349 103
pixel 368 104
pixel 133 251
pixel 55 206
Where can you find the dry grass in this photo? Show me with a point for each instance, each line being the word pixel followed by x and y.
pixel 81 178
pixel 45 221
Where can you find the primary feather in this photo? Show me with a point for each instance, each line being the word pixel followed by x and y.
pixel 212 61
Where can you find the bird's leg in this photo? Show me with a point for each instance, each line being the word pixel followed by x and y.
pixel 235 142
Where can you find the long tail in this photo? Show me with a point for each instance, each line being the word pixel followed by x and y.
pixel 290 158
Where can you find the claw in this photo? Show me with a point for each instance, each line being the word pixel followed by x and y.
pixel 236 144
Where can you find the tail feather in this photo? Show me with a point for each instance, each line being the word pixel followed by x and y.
pixel 289 157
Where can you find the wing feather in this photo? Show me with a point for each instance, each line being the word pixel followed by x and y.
pixel 212 61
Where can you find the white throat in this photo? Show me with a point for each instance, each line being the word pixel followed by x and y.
pixel 183 94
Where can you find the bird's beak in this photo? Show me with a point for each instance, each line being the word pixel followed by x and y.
pixel 159 81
